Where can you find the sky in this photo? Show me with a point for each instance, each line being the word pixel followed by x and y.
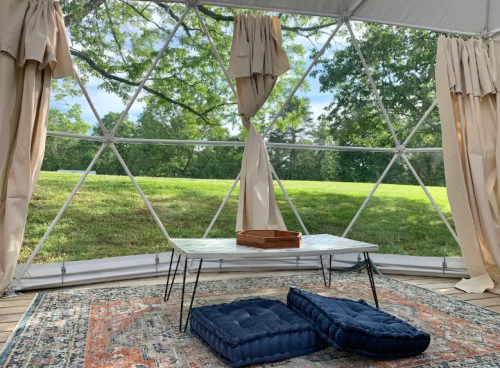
pixel 103 101
pixel 107 102
pixel 318 99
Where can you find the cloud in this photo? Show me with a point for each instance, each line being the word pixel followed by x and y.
pixel 317 108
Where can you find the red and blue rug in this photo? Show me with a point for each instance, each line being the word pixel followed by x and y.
pixel 131 327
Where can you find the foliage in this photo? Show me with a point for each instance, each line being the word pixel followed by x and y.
pixel 66 152
pixel 300 129
pixel 401 61
pixel 188 98
pixel 116 40
pixel 113 43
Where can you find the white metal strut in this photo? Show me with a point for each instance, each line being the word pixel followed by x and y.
pixel 109 138
pixel 400 148
pixel 228 79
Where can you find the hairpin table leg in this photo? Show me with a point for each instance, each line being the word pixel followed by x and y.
pixel 194 293
pixel 183 290
pixel 173 277
pixel 330 273
pixel 322 269
pixel 168 277
pixel 370 276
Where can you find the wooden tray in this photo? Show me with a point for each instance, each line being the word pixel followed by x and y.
pixel 269 239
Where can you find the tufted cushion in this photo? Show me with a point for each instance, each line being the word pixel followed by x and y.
pixel 254 331
pixel 357 327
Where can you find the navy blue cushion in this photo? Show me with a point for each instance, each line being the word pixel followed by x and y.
pixel 357 327
pixel 254 331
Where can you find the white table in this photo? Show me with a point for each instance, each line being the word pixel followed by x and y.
pixel 312 245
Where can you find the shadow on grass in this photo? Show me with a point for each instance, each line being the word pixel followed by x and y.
pixel 111 220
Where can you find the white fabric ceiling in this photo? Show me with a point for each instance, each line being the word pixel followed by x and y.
pixel 469 17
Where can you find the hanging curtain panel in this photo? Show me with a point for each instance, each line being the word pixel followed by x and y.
pixel 468 92
pixel 33 50
pixel 256 61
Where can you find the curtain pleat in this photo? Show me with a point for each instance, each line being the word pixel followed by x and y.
pixel 33 50
pixel 257 59
pixel 467 83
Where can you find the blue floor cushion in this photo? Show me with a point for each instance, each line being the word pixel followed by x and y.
pixel 254 331
pixel 357 327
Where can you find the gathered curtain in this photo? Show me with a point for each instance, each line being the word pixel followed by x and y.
pixel 468 93
pixel 256 60
pixel 33 49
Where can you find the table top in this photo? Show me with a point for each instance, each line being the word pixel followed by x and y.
pixel 322 244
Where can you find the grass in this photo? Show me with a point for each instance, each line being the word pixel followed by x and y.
pixel 107 217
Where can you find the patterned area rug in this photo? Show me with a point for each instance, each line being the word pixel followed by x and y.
pixel 132 327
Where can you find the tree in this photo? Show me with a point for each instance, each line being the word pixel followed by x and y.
pixel 61 153
pixel 108 163
pixel 298 126
pixel 116 41
pixel 187 96
pixel 401 61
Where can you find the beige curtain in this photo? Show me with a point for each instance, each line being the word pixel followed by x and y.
pixel 468 91
pixel 257 59
pixel 33 50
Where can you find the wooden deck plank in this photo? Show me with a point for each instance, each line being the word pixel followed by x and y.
pixel 492 302
pixel 451 292
pixel 442 285
pixel 26 296
pixel 12 317
pixel 445 290
pixel 13 310
pixel 474 296
pixel 8 326
pixel 8 303
pixel 4 336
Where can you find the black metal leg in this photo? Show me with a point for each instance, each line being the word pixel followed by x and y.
pixel 194 292
pixel 173 277
pixel 168 277
pixel 183 290
pixel 330 273
pixel 370 276
pixel 323 269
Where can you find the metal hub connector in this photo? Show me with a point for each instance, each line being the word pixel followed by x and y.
pixel 108 139
pixel 346 15
pixel 192 3
pixel 400 150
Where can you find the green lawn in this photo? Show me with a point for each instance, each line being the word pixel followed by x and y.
pixel 107 217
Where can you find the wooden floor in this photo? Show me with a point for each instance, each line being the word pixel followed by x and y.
pixel 11 310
